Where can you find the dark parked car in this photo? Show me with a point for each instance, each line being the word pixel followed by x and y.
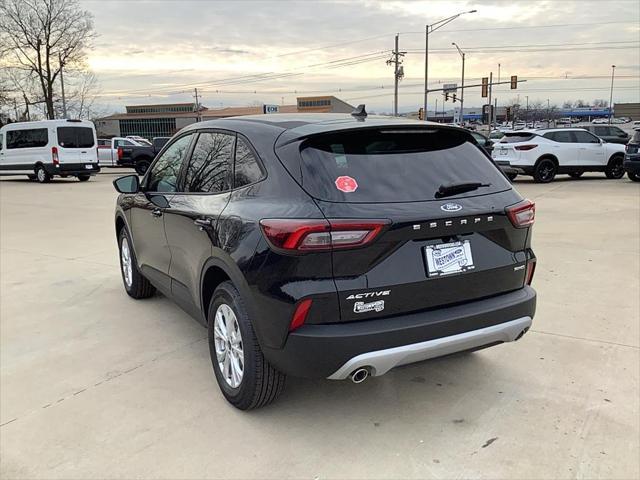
pixel 328 246
pixel 140 157
pixel 632 157
pixel 608 133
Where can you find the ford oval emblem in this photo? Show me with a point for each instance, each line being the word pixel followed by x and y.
pixel 451 207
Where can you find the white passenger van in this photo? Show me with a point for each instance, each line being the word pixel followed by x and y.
pixel 43 149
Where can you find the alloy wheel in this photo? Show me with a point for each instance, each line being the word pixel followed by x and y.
pixel 228 345
pixel 127 264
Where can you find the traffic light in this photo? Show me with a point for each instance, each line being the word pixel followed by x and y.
pixel 421 113
pixel 485 87
pixel 514 82
pixel 446 96
pixel 454 97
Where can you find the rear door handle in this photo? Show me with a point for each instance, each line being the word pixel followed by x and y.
pixel 202 223
pixel 156 212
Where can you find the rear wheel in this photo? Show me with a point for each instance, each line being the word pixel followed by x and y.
pixel 244 376
pixel 84 178
pixel 41 174
pixel 614 169
pixel 142 166
pixel 575 174
pixel 545 171
pixel 135 284
pixel 633 176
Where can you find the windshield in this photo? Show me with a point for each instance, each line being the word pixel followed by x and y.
pixel 75 137
pixel 394 165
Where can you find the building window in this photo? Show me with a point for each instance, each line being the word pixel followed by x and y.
pixel 148 127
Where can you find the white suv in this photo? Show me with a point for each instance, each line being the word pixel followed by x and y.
pixel 545 153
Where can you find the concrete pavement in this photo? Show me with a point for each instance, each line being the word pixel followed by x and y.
pixel 96 385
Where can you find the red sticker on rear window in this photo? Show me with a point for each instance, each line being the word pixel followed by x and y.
pixel 346 184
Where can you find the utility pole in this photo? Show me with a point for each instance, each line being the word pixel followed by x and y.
pixel 436 110
pixel 398 72
pixel 15 109
pixel 198 115
pixel 548 119
pixel 527 97
pixel 64 99
pixel 613 70
pixel 461 119
pixel 490 104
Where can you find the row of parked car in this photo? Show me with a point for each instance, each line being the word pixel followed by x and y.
pixel 132 151
pixel 545 153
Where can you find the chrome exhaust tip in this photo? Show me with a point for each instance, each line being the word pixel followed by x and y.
pixel 359 375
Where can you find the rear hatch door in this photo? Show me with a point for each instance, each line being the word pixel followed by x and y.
pixel 77 144
pixel 437 249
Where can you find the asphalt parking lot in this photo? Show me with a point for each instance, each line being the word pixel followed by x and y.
pixel 97 385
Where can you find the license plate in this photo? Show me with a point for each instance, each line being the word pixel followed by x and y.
pixel 88 166
pixel 448 258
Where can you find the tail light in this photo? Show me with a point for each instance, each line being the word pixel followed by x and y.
pixel 525 147
pixel 119 153
pixel 319 235
pixel 531 268
pixel 300 314
pixel 522 214
pixel 54 156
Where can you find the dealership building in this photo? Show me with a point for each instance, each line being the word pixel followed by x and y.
pixel 166 119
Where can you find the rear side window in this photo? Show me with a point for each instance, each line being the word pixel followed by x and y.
pixel 30 138
pixel 247 169
pixel 209 169
pixel 562 137
pixel 517 137
pixel 75 137
pixel 394 165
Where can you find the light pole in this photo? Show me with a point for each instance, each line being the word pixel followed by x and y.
pixel 461 119
pixel 527 97
pixel 430 29
pixel 613 70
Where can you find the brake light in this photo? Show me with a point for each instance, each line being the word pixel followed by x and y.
pixel 320 234
pixel 300 314
pixel 54 156
pixel 119 153
pixel 525 147
pixel 531 268
pixel 522 214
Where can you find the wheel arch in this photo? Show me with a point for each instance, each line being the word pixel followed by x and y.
pixel 215 271
pixel 547 156
pixel 614 156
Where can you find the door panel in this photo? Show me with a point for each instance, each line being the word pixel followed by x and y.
pixel 590 150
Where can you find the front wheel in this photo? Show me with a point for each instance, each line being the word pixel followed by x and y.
pixel 41 175
pixel 545 171
pixel 142 166
pixel 84 178
pixel 244 376
pixel 634 177
pixel 136 285
pixel 614 170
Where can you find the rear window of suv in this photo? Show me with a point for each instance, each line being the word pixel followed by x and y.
pixel 391 165
pixel 517 137
pixel 75 137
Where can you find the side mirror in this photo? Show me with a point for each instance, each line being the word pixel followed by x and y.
pixel 128 184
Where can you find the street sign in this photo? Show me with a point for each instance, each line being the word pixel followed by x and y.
pixel 450 87
pixel 485 87
pixel 270 109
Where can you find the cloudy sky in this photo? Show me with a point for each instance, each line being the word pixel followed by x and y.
pixel 246 52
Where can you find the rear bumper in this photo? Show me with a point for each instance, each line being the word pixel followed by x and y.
pixel 335 350
pixel 73 168
pixel 632 164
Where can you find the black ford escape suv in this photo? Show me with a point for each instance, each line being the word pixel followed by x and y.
pixel 329 246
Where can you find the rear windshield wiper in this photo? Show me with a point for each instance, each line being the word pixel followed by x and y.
pixel 456 188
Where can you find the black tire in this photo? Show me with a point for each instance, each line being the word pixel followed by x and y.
pixel 84 178
pixel 545 171
pixel 634 177
pixel 138 286
pixel 575 174
pixel 615 170
pixel 142 166
pixel 512 176
pixel 41 174
pixel 260 384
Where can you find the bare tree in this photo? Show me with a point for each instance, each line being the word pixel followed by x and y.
pixel 43 37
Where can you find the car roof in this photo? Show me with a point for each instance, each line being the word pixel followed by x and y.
pixel 289 127
pixel 46 123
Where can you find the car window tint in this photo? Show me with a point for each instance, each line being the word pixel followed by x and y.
pixel 163 175
pixel 75 137
pixel 562 137
pixel 210 165
pixel 29 138
pixel 582 136
pixel 247 168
